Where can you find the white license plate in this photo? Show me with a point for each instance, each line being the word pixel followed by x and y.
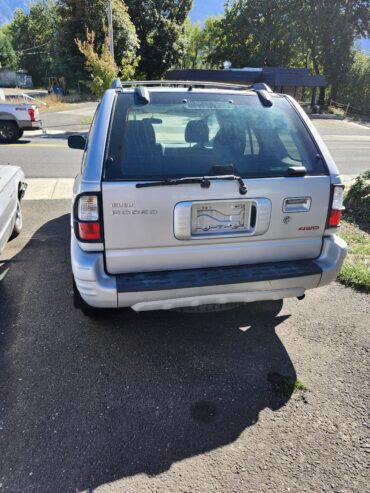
pixel 219 218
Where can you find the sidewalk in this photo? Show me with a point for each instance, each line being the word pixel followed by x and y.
pixel 61 188
pixel 49 188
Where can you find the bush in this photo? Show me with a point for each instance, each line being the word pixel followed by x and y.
pixel 102 66
pixel 357 201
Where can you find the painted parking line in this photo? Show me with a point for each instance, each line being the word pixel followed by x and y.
pixel 49 188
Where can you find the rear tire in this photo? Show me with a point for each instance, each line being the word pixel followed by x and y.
pixel 80 303
pixel 9 132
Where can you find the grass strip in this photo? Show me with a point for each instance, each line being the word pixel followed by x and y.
pixel 355 272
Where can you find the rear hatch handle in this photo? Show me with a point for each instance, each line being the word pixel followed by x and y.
pixel 205 182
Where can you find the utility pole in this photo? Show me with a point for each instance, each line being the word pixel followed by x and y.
pixel 110 28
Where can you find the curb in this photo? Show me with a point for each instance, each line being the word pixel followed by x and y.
pixel 38 133
pixel 326 117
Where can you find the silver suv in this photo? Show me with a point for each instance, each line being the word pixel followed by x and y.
pixel 200 194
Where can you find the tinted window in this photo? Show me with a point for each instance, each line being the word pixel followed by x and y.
pixel 199 135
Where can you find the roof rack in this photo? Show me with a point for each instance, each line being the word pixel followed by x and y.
pixel 263 90
pixel 118 84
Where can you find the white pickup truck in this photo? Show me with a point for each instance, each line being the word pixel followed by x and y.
pixel 15 119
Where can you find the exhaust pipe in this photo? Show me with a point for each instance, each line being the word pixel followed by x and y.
pixel 302 297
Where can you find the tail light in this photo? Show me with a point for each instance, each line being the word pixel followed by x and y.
pixel 87 224
pixel 336 209
pixel 32 113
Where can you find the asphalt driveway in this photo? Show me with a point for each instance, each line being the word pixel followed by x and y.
pixel 173 402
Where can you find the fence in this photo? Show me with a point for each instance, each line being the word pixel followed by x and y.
pixel 22 97
pixel 347 108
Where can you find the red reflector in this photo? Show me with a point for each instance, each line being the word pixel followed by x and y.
pixel 334 218
pixel 32 114
pixel 89 231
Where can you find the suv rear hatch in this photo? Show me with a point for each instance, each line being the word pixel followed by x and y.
pixel 156 218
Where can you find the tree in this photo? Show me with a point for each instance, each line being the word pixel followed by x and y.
pixel 199 43
pixel 211 32
pixel 160 27
pixel 102 67
pixel 356 89
pixel 192 46
pixel 8 58
pixel 33 39
pixel 256 33
pixel 77 16
pixel 329 29
pixel 317 34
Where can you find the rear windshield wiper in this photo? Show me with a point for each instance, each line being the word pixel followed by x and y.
pixel 205 182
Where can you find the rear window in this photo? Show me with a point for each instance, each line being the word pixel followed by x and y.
pixel 182 135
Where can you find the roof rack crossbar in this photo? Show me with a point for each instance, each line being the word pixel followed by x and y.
pixel 184 83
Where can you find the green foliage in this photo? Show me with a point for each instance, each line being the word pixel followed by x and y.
pixel 317 34
pixel 199 43
pixel 356 88
pixel 79 15
pixel 356 269
pixel 33 39
pixel 8 58
pixel 152 36
pixel 328 29
pixel 160 27
pixel 126 42
pixel 102 66
pixel 355 275
pixel 193 46
pixel 129 64
pixel 285 385
pixel 358 240
pixel 256 33
pixel 357 201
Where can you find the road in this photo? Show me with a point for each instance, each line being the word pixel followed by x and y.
pixel 169 402
pixel 349 144
pixel 48 156
pixel 165 401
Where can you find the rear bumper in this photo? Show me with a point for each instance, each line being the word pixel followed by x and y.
pixel 193 287
pixel 27 125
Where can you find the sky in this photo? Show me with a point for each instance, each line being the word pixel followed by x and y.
pixel 204 8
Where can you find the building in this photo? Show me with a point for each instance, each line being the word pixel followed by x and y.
pixel 280 79
pixel 15 78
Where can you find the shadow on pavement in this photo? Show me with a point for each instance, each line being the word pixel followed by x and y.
pixel 86 402
pixel 20 141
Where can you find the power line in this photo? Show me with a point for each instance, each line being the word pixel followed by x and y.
pixel 33 47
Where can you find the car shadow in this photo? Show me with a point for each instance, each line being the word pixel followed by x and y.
pixel 20 141
pixel 85 402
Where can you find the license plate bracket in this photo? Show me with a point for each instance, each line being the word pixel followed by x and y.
pixel 220 218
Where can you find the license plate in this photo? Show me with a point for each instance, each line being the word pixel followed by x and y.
pixel 219 218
